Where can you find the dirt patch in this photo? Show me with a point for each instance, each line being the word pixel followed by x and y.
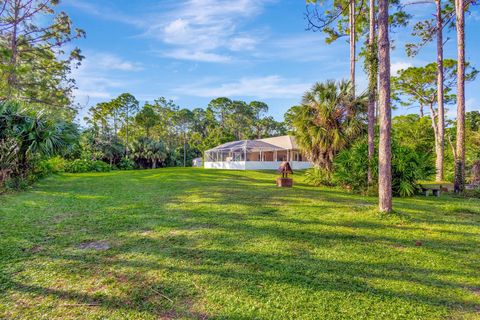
pixel 95 245
pixel 36 249
pixel 170 315
pixel 398 246
pixel 64 216
pixel 476 291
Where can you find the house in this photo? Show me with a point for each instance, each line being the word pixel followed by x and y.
pixel 261 154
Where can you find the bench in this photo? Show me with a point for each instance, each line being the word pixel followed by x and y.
pixel 435 191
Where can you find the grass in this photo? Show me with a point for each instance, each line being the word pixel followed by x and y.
pixel 207 244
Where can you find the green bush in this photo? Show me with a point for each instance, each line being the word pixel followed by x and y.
pixel 126 164
pixel 84 165
pixel 15 183
pixel 408 167
pixel 350 168
pixel 318 177
pixel 49 166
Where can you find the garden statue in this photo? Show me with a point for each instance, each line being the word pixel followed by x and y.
pixel 285 169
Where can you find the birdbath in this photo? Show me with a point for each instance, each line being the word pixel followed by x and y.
pixel 285 169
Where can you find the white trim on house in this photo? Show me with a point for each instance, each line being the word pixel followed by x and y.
pixel 255 165
pixel 262 154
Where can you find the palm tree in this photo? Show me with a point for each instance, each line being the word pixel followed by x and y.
pixel 27 135
pixel 149 151
pixel 157 152
pixel 328 120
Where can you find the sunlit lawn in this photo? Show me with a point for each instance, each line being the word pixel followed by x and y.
pixel 198 244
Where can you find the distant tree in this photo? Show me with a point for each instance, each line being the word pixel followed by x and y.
pixel 268 127
pixel 419 85
pixel 472 119
pixel 127 106
pixel 147 118
pixel 414 132
pixel 240 120
pixel 32 36
pixel 221 107
pixel 183 122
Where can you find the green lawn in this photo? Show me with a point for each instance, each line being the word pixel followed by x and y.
pixel 207 244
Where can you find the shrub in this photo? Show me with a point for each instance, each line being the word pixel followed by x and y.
pixel 473 193
pixel 350 168
pixel 49 166
pixel 408 167
pixel 84 165
pixel 318 176
pixel 126 164
pixel 16 183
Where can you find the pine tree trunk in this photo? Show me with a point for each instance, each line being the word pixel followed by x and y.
pixel 372 78
pixel 436 132
pixel 440 144
pixel 459 185
pixel 12 77
pixel 126 134
pixel 352 43
pixel 385 116
pixel 184 151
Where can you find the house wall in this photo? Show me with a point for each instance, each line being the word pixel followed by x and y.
pixel 229 165
pixel 255 165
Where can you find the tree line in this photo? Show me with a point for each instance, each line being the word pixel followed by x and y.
pixel 160 133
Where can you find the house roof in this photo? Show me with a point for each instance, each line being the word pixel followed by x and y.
pixel 247 145
pixel 285 142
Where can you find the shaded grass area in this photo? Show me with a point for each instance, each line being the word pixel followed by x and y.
pixel 211 244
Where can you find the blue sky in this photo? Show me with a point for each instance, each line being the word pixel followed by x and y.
pixel 194 50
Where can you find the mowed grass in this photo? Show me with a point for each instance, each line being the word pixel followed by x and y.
pixel 207 244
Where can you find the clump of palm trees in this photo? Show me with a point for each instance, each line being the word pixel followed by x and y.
pixel 26 137
pixel 149 153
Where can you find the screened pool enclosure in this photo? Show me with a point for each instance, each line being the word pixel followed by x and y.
pixel 256 154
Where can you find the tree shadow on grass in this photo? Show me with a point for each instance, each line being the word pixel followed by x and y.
pixel 207 228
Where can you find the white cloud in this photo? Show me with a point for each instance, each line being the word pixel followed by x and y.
pixel 243 43
pixel 400 65
pixel 305 47
pixel 272 86
pixel 203 30
pixel 104 11
pixel 471 104
pixel 98 76
pixel 185 54
pixel 113 62
pixel 474 16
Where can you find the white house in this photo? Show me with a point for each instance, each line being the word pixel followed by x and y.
pixel 261 154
